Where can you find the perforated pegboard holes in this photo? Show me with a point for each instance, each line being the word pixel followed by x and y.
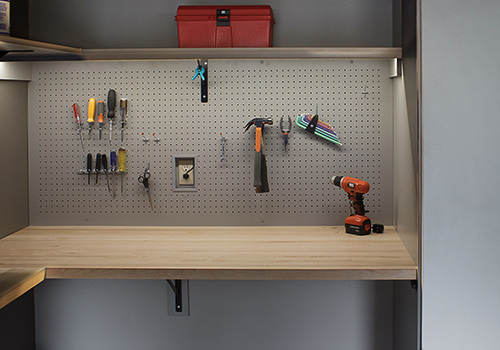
pixel 355 97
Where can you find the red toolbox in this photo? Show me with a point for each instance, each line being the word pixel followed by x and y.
pixel 225 26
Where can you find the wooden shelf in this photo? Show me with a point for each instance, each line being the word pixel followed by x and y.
pixel 29 50
pixel 245 53
pixel 243 253
pixel 26 50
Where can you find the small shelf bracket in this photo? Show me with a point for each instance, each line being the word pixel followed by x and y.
pixel 177 288
pixel 414 285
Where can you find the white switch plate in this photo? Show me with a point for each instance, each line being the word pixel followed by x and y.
pixel 182 164
pixel 185 165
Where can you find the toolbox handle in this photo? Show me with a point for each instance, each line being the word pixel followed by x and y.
pixel 223 18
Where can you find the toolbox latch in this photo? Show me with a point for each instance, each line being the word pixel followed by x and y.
pixel 223 18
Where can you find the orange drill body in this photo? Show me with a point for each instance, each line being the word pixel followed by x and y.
pixel 356 223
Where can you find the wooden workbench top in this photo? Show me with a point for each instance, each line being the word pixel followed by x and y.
pixel 14 282
pixel 247 253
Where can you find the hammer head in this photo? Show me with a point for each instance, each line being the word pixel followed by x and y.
pixel 259 122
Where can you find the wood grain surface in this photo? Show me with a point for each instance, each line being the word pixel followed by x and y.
pixel 14 282
pixel 281 253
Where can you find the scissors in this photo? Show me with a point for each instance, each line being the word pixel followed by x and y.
pixel 144 179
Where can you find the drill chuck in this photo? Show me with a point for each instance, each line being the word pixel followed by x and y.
pixel 336 180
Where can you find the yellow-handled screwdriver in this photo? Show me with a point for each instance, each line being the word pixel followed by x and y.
pixel 91 114
pixel 122 163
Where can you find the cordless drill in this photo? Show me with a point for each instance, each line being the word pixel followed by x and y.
pixel 356 223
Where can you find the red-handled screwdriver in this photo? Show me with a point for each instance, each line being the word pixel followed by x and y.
pixel 100 116
pixel 76 111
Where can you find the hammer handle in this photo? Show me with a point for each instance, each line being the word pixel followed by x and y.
pixel 257 163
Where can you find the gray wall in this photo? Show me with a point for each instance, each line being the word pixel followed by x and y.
pixel 107 24
pixel 292 315
pixel 461 169
pixel 13 156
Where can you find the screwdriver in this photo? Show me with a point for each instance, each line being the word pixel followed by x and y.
pixel 97 166
pixel 100 114
pixel 123 113
pixel 105 167
pixel 91 114
pixel 76 111
pixel 111 111
pixel 122 162
pixel 89 165
pixel 113 169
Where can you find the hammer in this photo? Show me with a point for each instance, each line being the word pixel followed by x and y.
pixel 260 167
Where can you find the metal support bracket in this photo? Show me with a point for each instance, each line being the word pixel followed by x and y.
pixel 204 81
pixel 177 288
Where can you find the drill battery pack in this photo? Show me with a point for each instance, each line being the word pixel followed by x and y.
pixel 358 225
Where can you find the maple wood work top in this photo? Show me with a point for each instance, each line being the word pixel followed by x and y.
pixel 243 253
pixel 14 282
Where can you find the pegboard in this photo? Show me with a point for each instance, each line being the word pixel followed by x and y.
pixel 354 96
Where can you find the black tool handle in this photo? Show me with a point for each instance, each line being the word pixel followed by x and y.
pixel 89 164
pixel 257 164
pixel 111 103
pixel 263 176
pixel 104 162
pixel 97 166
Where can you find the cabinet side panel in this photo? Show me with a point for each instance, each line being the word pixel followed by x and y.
pixel 13 156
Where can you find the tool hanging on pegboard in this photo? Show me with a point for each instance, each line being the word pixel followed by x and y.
pixel 260 166
pixel 314 125
pixel 144 179
pixel 76 111
pixel 202 71
pixel 123 114
pixel 223 141
pixel 286 127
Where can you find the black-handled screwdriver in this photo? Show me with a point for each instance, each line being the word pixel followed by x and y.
pixel 111 111
pixel 89 165
pixel 105 167
pixel 98 159
pixel 113 169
